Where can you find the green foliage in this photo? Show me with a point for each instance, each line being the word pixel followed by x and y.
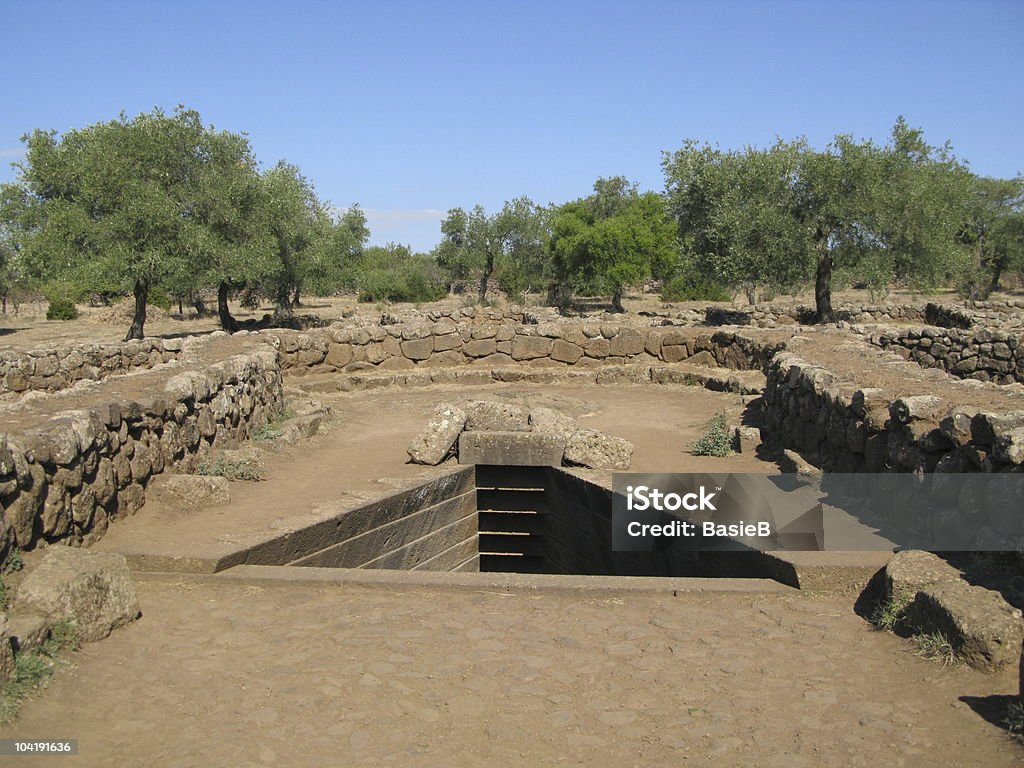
pixel 33 669
pixel 272 429
pixel 232 469
pixel 614 238
pixel 162 206
pixel 1014 720
pixel 61 309
pixel 394 273
pixel 158 297
pixel 693 288
pixel 789 215
pixel 14 562
pixel 887 614
pixel 935 646
pixel 716 440
pixel 508 245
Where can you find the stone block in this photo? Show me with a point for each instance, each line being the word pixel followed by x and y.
pixel 565 351
pixel 495 416
pixel 981 626
pixel 93 590
pixel 530 347
pixel 418 349
pixel 533 449
pixel 590 448
pixel 435 442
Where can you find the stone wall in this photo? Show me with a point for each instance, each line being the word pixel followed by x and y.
pixel 446 343
pixel 66 479
pixel 986 355
pixel 870 431
pixel 50 370
pixel 431 527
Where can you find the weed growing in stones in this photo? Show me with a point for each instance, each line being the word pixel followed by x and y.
pixel 33 669
pixel 889 613
pixel 272 429
pixel 937 647
pixel 716 440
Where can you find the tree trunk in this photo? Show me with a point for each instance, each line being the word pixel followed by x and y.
pixel 181 308
pixel 997 272
pixel 295 301
pixel 488 269
pixel 227 322
pixel 141 291
pixel 823 288
pixel 199 304
pixel 617 301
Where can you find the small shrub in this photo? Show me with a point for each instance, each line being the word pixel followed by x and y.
pixel 61 309
pixel 232 469
pixel 691 288
pixel 158 297
pixel 716 440
pixel 14 562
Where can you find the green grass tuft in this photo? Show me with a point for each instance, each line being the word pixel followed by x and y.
pixel 937 647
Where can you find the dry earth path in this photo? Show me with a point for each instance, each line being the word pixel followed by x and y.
pixel 237 674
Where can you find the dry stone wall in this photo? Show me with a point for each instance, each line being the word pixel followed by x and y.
pixel 986 355
pixel 869 430
pixel 51 370
pixel 67 478
pixel 447 343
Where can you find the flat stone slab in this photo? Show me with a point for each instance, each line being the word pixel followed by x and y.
pixel 983 628
pixel 522 449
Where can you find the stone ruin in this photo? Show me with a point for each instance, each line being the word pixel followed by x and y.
pixel 489 432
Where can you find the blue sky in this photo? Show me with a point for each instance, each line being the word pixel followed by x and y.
pixel 411 108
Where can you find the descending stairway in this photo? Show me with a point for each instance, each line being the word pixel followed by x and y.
pixel 512 515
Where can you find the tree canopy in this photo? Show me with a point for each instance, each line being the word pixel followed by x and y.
pixel 615 237
pixel 164 201
pixel 789 214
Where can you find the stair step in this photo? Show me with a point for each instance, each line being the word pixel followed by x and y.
pixel 526 522
pixel 514 564
pixel 523 478
pixel 510 501
pixel 511 544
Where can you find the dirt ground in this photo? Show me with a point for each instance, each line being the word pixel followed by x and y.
pixel 220 672
pixel 233 674
pixel 362 454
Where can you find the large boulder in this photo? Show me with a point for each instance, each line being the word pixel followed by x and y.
pixel 982 627
pixel 190 492
pixel 436 441
pixel 590 448
pixel 92 590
